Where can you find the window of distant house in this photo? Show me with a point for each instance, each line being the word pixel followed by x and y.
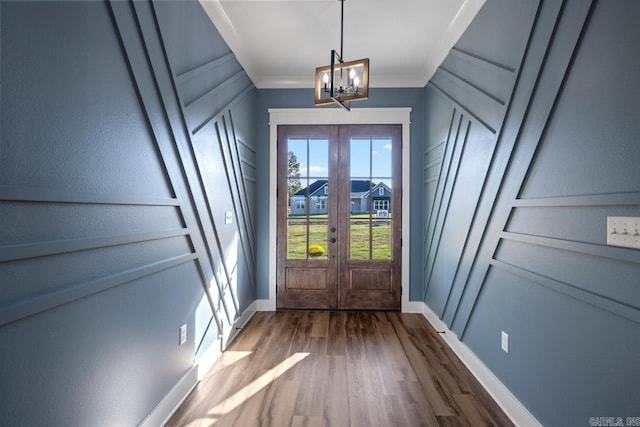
pixel 326 190
pixel 381 191
pixel 299 204
pixel 321 204
pixel 381 205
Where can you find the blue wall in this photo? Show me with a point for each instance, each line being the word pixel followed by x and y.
pixel 531 142
pixel 126 134
pixel 129 129
pixel 303 98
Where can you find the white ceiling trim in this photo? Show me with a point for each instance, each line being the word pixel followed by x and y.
pixel 456 28
pixel 434 56
pixel 223 24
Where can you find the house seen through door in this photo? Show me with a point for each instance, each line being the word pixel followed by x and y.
pixel 339 217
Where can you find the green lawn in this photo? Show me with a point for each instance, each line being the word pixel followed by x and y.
pixel 360 231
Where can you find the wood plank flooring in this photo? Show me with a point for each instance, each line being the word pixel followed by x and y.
pixel 322 368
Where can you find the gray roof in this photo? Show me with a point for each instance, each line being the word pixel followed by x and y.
pixel 358 187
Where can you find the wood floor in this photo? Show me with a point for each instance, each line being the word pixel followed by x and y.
pixel 321 368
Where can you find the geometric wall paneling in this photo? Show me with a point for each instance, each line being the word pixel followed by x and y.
pixel 41 280
pixel 535 261
pixel 146 55
pixel 559 222
pixel 248 166
pixel 236 185
pixel 209 158
pixel 204 94
pixel 63 238
pixel 198 113
pixel 479 105
pixel 190 40
pixel 474 75
pixel 443 197
pixel 102 255
pixel 461 202
pixel 435 210
pixel 532 60
pixel 244 157
pixel 493 80
pixel 146 58
pixel 209 87
pixel 543 271
pixel 111 240
pixel 439 128
pixel 203 79
pixel 209 94
pixel 40 93
pixel 500 32
pixel 554 43
pixel 583 281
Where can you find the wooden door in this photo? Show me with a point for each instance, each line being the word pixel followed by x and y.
pixel 369 222
pixel 339 211
pixel 307 212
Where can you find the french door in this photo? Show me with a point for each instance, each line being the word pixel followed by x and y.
pixel 339 217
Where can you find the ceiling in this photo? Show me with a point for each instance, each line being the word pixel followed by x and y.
pixel 280 43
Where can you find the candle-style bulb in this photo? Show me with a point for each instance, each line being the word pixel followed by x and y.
pixel 352 74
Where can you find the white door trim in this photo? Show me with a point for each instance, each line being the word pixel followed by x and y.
pixel 337 116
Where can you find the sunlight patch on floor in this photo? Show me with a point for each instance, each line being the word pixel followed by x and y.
pixel 247 392
pixel 230 357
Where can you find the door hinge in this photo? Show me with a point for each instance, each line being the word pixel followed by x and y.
pixel 401 242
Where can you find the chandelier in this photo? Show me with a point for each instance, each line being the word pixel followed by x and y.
pixel 342 82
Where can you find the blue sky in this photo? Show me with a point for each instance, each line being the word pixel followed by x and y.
pixel 366 155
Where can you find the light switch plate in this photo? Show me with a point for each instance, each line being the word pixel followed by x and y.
pixel 228 217
pixel 183 334
pixel 623 231
pixel 505 342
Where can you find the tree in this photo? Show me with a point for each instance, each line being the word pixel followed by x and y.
pixel 293 183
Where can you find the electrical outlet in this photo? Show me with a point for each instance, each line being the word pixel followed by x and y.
pixel 623 231
pixel 183 334
pixel 505 342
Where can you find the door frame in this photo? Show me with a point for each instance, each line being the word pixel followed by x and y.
pixel 335 116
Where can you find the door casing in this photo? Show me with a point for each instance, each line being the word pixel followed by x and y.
pixel 339 280
pixel 311 116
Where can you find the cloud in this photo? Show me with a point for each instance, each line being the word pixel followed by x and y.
pixel 387 146
pixel 314 171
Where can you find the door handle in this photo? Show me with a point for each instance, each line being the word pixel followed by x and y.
pixel 333 240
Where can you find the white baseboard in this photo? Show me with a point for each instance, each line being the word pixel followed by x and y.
pixel 206 360
pixel 239 324
pixel 500 393
pixel 413 307
pixel 203 363
pixel 172 400
pixel 265 305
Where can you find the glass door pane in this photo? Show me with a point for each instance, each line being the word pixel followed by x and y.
pixel 370 224
pixel 308 188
